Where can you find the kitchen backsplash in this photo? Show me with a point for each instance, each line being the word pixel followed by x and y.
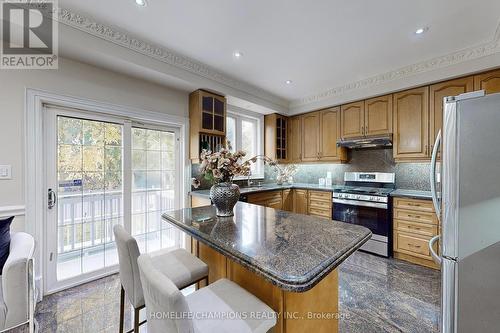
pixel 414 176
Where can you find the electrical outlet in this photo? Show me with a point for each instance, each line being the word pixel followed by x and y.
pixel 5 172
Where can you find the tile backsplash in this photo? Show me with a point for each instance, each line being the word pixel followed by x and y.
pixel 413 176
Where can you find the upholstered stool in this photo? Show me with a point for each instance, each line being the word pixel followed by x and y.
pixel 221 307
pixel 182 268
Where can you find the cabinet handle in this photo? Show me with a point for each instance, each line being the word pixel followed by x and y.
pixel 413 245
pixel 413 204
pixel 414 228
pixel 414 216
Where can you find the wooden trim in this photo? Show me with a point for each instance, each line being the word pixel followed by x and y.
pixel 416 260
pixel 8 211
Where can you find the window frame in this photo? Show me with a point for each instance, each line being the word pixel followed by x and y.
pixel 258 120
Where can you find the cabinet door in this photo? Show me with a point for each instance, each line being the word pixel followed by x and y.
pixel 213 113
pixel 300 202
pixel 295 138
pixel 353 120
pixel 489 82
pixel 378 115
pixel 288 200
pixel 329 134
pixel 310 137
pixel 411 124
pixel 437 94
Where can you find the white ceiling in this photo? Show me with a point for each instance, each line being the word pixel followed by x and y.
pixel 319 44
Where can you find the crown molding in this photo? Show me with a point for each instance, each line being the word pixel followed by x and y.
pixel 162 54
pixel 179 61
pixel 454 58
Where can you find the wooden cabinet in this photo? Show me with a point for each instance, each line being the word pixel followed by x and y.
pixel 300 201
pixel 320 204
pixel 437 94
pixel 288 200
pixel 489 82
pixel 353 120
pixel 378 116
pixel 295 139
pixel 411 124
pixel 200 201
pixel 207 122
pixel 276 137
pixel 320 132
pixel 329 135
pixel 415 223
pixel 310 136
pixel 272 199
pixel 367 118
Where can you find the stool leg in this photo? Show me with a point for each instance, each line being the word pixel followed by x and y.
pixel 136 320
pixel 122 309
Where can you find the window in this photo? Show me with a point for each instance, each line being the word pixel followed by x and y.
pixel 246 133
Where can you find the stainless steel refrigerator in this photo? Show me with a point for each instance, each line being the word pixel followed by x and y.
pixel 466 195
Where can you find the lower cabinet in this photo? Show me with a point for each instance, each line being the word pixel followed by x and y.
pixel 307 202
pixel 200 201
pixel 319 203
pixel 415 223
pixel 271 199
pixel 300 201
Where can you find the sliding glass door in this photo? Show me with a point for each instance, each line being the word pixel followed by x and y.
pixel 103 171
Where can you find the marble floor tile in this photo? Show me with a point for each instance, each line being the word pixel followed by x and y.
pixel 375 295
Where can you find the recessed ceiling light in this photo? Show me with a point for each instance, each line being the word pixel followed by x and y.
pixel 288 81
pixel 237 54
pixel 141 3
pixel 420 31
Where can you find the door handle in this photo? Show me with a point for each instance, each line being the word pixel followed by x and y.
pixel 51 199
pixel 434 255
pixel 433 175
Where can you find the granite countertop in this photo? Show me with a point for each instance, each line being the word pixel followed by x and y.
pixel 290 250
pixel 273 187
pixel 414 194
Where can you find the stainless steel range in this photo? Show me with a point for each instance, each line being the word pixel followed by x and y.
pixel 365 200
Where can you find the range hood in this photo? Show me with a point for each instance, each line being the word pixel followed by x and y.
pixel 370 142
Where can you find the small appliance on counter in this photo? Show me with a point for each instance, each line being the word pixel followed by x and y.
pixel 365 201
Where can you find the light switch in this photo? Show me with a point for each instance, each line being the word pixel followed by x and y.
pixel 5 172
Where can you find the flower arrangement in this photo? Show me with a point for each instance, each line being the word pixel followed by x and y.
pixel 224 165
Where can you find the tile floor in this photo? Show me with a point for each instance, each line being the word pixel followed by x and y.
pixel 376 295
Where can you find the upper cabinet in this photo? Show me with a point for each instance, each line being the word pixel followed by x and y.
pixel 489 82
pixel 353 120
pixel 276 137
pixel 411 124
pixel 329 135
pixel 367 118
pixel 437 94
pixel 207 120
pixel 295 139
pixel 310 136
pixel 320 132
pixel 378 116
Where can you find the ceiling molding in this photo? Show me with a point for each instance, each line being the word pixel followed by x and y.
pixel 454 58
pixel 170 57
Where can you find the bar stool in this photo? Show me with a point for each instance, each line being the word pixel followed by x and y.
pixel 221 307
pixel 182 268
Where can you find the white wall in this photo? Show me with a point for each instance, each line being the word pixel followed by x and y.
pixel 74 79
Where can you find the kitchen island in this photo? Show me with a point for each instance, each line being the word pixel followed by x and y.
pixel 287 260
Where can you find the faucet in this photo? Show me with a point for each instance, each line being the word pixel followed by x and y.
pixel 249 182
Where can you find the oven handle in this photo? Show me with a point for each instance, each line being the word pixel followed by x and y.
pixel 360 203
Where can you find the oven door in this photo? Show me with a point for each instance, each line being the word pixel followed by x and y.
pixel 374 216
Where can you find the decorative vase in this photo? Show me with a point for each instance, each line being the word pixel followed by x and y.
pixel 225 196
